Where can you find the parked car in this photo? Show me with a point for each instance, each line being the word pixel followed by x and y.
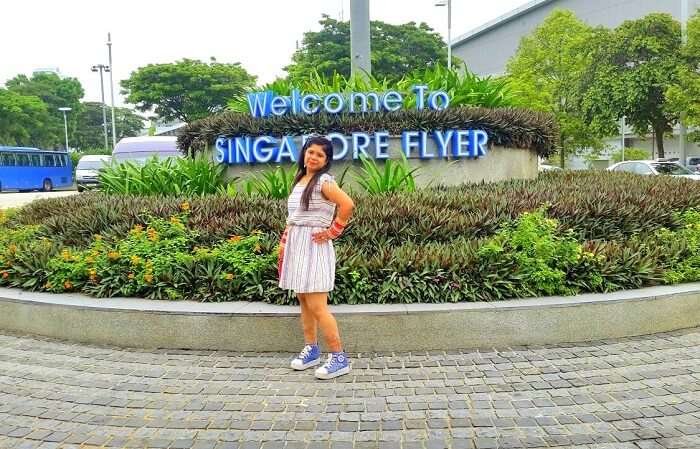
pixel 545 167
pixel 87 170
pixel 693 163
pixel 652 167
pixel 140 149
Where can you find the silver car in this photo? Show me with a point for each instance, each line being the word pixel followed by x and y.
pixel 654 168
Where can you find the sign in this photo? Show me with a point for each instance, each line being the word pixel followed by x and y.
pixel 423 144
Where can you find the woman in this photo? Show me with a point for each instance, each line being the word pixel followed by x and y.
pixel 307 259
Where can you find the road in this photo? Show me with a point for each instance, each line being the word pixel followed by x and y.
pixel 9 199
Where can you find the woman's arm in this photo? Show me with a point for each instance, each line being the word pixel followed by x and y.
pixel 335 194
pixel 345 205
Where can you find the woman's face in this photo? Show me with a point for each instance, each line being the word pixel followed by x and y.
pixel 314 158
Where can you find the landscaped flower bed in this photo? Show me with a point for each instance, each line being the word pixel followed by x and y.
pixel 563 233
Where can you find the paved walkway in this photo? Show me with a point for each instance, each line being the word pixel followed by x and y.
pixel 634 393
pixel 10 199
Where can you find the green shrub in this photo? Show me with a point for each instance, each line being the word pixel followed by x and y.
pixel 631 154
pixel 464 87
pixel 170 176
pixel 394 177
pixel 595 205
pixel 529 256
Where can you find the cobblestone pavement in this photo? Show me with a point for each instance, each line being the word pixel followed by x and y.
pixel 641 393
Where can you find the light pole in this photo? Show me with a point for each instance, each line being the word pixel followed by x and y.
pixel 684 42
pixel 360 56
pixel 111 89
pixel 100 68
pixel 65 123
pixel 448 3
pixel 622 137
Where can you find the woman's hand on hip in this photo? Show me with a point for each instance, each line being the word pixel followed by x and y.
pixel 320 237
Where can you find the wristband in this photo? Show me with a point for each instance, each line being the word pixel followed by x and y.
pixel 335 230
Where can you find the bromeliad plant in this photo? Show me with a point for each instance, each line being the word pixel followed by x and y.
pixel 395 176
pixel 171 176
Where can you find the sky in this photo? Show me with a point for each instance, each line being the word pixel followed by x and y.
pixel 260 34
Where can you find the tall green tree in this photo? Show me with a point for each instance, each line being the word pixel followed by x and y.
pixel 684 94
pixel 23 119
pixel 89 132
pixel 55 92
pixel 186 90
pixel 633 66
pixel 546 73
pixel 396 50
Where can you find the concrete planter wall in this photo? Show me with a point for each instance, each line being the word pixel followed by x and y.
pixel 245 326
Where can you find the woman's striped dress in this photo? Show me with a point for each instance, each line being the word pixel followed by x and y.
pixel 307 266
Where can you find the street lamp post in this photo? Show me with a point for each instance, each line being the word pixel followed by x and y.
pixel 448 3
pixel 103 68
pixel 65 123
pixel 111 89
pixel 684 42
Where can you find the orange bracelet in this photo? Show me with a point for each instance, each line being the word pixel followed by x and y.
pixel 335 230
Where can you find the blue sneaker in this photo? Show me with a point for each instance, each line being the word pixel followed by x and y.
pixel 308 357
pixel 336 365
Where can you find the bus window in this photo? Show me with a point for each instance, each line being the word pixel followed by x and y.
pixel 36 160
pixel 64 160
pixel 7 159
pixel 22 159
pixel 48 160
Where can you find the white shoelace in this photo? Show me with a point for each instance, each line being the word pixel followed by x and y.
pixel 305 352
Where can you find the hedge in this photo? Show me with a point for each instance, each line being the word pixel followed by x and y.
pixel 563 233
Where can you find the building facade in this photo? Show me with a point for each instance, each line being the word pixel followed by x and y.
pixel 487 49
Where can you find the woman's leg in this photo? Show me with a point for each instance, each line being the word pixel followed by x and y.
pixel 317 304
pixel 308 321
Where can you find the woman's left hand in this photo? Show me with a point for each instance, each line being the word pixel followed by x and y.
pixel 320 237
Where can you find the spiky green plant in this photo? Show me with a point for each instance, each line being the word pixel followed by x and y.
pixel 395 176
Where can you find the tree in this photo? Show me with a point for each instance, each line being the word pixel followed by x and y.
pixel 546 71
pixel 396 50
pixel 632 68
pixel 186 90
pixel 55 92
pixel 23 119
pixel 90 133
pixel 684 94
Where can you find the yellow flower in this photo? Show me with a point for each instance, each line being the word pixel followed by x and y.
pixel 98 237
pixel 5 275
pixel 257 248
pixel 185 206
pixel 93 274
pixel 12 248
pixel 149 264
pixel 89 259
pixel 65 254
pixel 235 238
pixel 68 285
pixel 130 275
pixel 148 278
pixel 152 234
pixel 137 229
pixel 113 255
pixel 174 220
pixel 229 276
pixel 135 260
pixel 48 285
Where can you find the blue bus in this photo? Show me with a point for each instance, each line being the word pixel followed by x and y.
pixel 24 169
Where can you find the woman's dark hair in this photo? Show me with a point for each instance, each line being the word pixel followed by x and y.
pixel 301 169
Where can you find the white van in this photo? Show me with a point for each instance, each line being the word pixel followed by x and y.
pixel 140 149
pixel 86 172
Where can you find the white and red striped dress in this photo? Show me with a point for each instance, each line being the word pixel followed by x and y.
pixel 307 266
